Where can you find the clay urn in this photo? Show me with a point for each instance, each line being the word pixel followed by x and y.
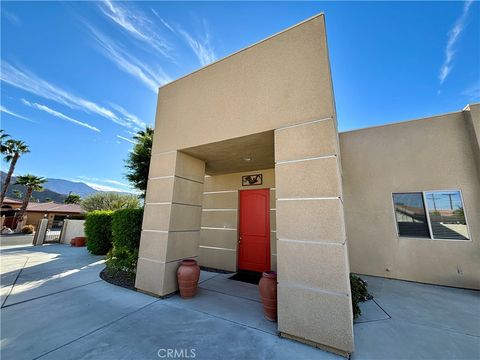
pixel 187 275
pixel 268 294
pixel 80 241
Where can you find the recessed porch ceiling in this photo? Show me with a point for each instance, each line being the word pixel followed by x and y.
pixel 246 153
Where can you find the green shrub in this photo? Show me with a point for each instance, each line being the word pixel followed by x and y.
pixel 359 293
pixel 110 201
pixel 126 228
pixel 98 230
pixel 121 259
pixel 126 231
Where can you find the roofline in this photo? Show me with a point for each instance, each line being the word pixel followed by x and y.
pixel 408 121
pixel 244 49
pixel 55 211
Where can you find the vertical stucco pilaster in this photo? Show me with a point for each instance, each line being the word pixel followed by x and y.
pixel 314 299
pixel 171 222
pixel 472 117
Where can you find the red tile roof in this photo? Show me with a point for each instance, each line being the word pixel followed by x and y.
pixel 11 201
pixel 54 207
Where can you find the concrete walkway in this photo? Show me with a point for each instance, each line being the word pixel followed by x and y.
pixel 54 306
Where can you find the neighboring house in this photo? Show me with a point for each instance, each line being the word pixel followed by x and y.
pixel 9 203
pixel 54 212
pixel 249 172
pixel 8 211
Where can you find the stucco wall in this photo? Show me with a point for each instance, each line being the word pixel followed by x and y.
pixel 219 231
pixel 71 229
pixel 430 154
pixel 284 79
pixel 34 217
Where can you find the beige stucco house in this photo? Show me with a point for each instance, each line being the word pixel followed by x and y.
pixel 248 172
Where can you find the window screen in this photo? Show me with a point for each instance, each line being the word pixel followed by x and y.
pixel 431 214
pixel 410 215
pixel 447 216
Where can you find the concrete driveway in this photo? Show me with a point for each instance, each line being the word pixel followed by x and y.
pixel 54 306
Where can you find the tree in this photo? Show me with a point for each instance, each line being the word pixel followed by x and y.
pixel 3 138
pixel 14 149
pixel 17 193
pixel 110 201
pixel 73 199
pixel 138 161
pixel 32 183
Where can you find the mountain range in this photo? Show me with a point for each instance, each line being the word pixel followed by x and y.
pixel 54 189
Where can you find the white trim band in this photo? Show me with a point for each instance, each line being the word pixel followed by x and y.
pixel 216 248
pixel 315 242
pixel 219 192
pixel 310 288
pixel 311 198
pixel 161 177
pixel 216 228
pixel 219 209
pixel 305 159
pixel 305 123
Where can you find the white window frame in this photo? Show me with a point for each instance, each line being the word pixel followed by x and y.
pixel 427 214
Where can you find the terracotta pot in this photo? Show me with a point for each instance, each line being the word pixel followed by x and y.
pixel 80 241
pixel 268 294
pixel 188 274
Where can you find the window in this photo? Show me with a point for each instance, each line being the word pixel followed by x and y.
pixel 410 214
pixel 431 214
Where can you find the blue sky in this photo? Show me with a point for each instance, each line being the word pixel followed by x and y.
pixel 78 78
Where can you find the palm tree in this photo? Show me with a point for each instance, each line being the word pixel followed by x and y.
pixel 32 183
pixel 3 137
pixel 15 148
pixel 17 194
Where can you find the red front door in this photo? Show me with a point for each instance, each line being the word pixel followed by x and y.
pixel 254 230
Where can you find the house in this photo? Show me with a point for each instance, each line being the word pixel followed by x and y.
pixel 52 211
pixel 249 172
pixel 36 211
pixel 8 211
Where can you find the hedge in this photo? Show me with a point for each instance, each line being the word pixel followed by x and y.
pixel 98 230
pixel 126 231
pixel 126 228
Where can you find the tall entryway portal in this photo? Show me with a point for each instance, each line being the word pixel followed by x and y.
pixel 254 230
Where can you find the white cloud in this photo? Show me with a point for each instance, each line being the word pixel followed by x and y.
pixel 201 47
pixel 166 24
pixel 28 81
pixel 59 115
pixel 152 78
pixel 452 37
pixel 5 110
pixel 99 184
pixel 125 139
pixel 101 187
pixel 11 17
pixel 136 24
pixel 140 125
pixel 472 92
